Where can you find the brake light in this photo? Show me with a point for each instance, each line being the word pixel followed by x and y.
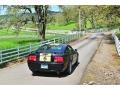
pixel 58 59
pixel 32 57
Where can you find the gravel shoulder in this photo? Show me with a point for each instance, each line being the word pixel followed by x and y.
pixel 104 68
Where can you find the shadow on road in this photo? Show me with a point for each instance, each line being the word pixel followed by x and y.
pixel 53 74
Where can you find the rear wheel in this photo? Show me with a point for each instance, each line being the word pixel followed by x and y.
pixel 77 60
pixel 69 68
pixel 58 73
pixel 34 73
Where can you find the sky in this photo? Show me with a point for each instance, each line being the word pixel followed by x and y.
pixel 52 8
pixel 2 11
pixel 55 8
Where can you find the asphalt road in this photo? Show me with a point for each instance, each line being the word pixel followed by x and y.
pixel 19 74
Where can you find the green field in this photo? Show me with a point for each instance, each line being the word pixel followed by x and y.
pixel 69 26
pixel 9 32
pixel 56 26
pixel 11 42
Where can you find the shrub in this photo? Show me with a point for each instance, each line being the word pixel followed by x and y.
pixel 118 35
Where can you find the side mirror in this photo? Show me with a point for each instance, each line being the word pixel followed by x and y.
pixel 76 50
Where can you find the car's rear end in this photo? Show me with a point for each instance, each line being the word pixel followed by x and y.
pixel 47 60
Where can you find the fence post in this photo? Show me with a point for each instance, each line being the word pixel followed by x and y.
pixel 54 41
pixel 30 48
pixel 18 51
pixel 0 56
pixel 79 34
pixel 71 37
pixel 62 40
pixel 58 40
pixel 66 39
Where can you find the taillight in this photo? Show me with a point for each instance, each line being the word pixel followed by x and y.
pixel 58 59
pixel 32 57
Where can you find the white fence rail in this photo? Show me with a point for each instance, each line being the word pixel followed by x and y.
pixel 117 42
pixel 14 53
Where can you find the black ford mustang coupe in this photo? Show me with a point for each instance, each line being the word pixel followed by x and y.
pixel 53 57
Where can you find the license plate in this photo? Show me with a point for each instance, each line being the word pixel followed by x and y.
pixel 45 57
pixel 44 66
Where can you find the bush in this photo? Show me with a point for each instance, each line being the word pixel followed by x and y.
pixel 118 35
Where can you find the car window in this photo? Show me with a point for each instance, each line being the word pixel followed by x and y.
pixel 56 49
pixel 69 50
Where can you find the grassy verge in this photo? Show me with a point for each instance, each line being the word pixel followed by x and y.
pixel 56 26
pixel 118 35
pixel 10 40
pixel 15 42
pixel 60 26
pixel 9 32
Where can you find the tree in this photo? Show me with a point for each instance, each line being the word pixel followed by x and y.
pixel 21 15
pixel 67 13
pixel 97 16
pixel 41 12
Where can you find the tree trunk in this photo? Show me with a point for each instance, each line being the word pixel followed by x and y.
pixel 92 21
pixel 41 12
pixel 45 21
pixel 85 23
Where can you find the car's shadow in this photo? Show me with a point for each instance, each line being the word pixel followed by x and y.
pixel 53 74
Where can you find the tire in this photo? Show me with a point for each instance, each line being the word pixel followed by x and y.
pixel 34 73
pixel 77 60
pixel 69 68
pixel 58 73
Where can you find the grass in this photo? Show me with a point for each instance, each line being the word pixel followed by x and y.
pixel 69 26
pixel 56 26
pixel 6 43
pixel 9 32
pixel 15 42
pixel 88 24
pixel 118 35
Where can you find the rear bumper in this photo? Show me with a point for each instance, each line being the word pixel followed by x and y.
pixel 52 67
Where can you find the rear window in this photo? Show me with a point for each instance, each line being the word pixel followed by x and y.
pixel 56 49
